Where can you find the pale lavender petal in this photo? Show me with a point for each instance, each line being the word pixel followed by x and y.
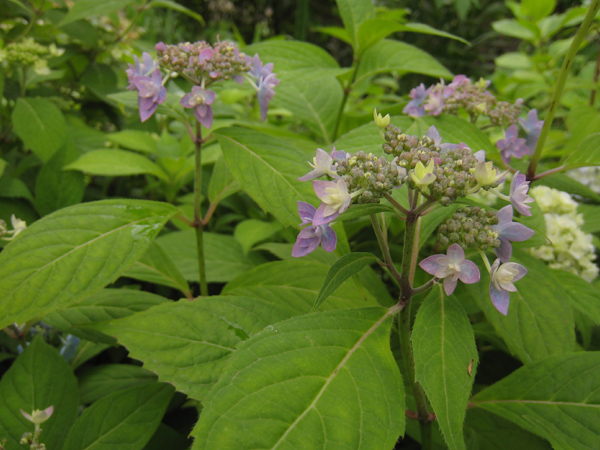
pixel 202 110
pixel 147 108
pixel 469 272
pixel 306 211
pixel 505 215
pixel 320 187
pixel 516 232
pixel 500 299
pixel 238 79
pixel 328 239
pixel 449 285
pixel 303 247
pixel 187 101
pixel 504 252
pixel 434 134
pixel 320 219
pixel 435 265
pixel 456 253
pixel 205 120
pixel 315 173
pixel 480 156
pixel 518 194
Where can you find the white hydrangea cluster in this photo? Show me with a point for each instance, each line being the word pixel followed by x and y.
pixel 571 249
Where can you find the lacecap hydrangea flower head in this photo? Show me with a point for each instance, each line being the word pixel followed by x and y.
pixel 202 64
pixel 438 174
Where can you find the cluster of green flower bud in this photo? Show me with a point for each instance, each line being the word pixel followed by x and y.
pixel 202 61
pixel 371 175
pixel 505 113
pixel 455 175
pixel 470 226
pixel 28 53
pixel 409 150
pixel 475 98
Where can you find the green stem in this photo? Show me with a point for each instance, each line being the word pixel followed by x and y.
pixel 385 248
pixel 404 328
pixel 198 225
pixel 560 84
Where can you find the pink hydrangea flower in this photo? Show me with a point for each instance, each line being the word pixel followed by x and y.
pixel 518 194
pixel 312 236
pixel 509 231
pixel 151 93
pixel 200 99
pixel 335 197
pixel 451 267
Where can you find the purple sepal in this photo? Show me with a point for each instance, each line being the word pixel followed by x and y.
pixel 509 231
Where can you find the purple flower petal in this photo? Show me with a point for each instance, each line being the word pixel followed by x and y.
pixel 328 238
pixel 500 299
pixel 306 211
pixel 321 219
pixel 205 119
pixel 518 194
pixel 449 285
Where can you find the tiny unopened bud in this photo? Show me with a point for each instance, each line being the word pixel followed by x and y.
pixel 380 121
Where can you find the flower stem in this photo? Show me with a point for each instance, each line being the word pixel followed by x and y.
pixel 560 84
pixel 197 224
pixel 385 248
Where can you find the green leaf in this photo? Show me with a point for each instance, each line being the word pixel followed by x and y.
pixel 314 96
pixel 100 79
pixel 14 188
pixel 100 381
pixel 84 9
pixel 336 32
pixel 127 417
pixel 388 56
pixel 555 398
pixel 587 153
pixel 156 267
pixel 344 268
pixel 268 170
pixel 134 140
pixel 426 29
pixel 224 256
pixel 539 322
pixel 114 163
pixel 292 55
pixel 187 343
pixel 222 184
pixel 512 28
pixel 582 294
pixel 39 378
pixel 252 231
pixel 73 253
pixel 40 124
pixel 55 188
pixel 445 361
pixel 107 304
pixel 350 393
pixel 354 13
pixel 296 282
pixel 167 437
pixel 86 350
pixel 3 164
pixel 170 107
pixel 591 217
pixel 537 9
pixel 177 7
pixel 484 427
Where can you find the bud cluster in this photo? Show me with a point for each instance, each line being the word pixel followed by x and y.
pixel 371 175
pixel 505 113
pixel 28 52
pixel 409 150
pixel 470 226
pixel 202 61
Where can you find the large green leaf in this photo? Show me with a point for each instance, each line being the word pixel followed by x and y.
pixel 314 96
pixel 445 361
pixel 141 141
pixel 222 184
pixel 40 124
pixel 73 253
pixel 341 386
pixel 116 163
pixel 250 232
pixel 344 268
pixel 539 321
pixel 224 255
pixel 388 56
pixel 187 343
pixel 55 188
pixel 556 398
pixel 39 378
pixel 157 267
pixel 354 13
pixel 108 304
pixel 83 9
pixel 587 153
pixel 126 419
pixel 102 380
pixel 582 294
pixel 297 283
pixel 268 170
pixel 292 55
